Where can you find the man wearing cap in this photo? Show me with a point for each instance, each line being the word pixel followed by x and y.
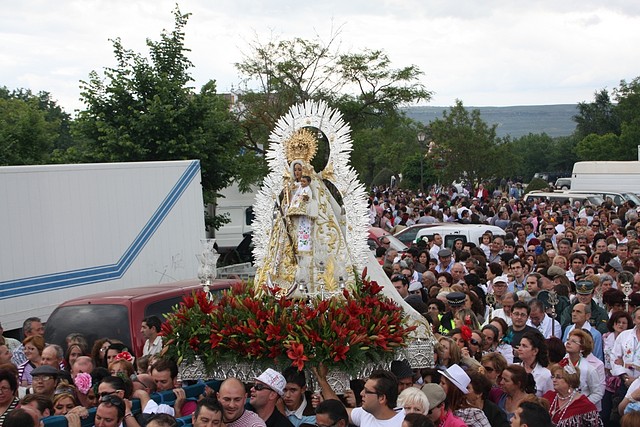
pixel 438 414
pixel 613 268
pixel 445 261
pixel 45 380
pixel 265 393
pixel 498 286
pixel 415 288
pixel 455 301
pixel 404 374
pixel 580 313
pixel 584 295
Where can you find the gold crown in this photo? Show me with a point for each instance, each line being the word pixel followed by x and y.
pixel 302 145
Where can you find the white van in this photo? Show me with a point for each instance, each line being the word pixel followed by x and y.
pixel 238 207
pixel 451 231
pixel 617 198
pixel 614 176
pixel 563 196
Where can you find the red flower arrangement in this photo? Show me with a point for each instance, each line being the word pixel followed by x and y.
pixel 344 331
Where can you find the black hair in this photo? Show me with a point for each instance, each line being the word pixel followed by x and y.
pixel 534 415
pixel 521 304
pixel 210 403
pixel 537 341
pixel 10 378
pixel 153 322
pixel 418 420
pixel 119 347
pixel 166 365
pixel 119 383
pixel 386 385
pixel 293 375
pixel 19 418
pixel 114 401
pixel 334 409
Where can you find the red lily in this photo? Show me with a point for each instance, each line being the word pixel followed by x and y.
pixel 296 354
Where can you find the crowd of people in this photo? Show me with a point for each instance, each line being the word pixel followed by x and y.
pixel 532 328
pixel 540 311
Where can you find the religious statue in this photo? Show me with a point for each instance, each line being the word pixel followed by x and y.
pixel 309 224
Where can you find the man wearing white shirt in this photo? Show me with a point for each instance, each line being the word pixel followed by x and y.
pixel 580 315
pixel 150 329
pixel 538 319
pixel 437 246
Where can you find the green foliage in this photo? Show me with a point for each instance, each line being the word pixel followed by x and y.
pixel 468 146
pixel 143 109
pixel 31 127
pixel 608 131
pixel 26 137
pixel 364 86
pixel 537 184
pixel 598 117
pixel 539 152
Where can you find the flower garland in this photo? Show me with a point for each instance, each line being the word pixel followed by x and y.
pixel 359 326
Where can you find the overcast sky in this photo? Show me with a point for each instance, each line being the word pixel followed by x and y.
pixel 484 52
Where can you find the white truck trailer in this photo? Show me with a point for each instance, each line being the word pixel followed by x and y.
pixel 73 230
pixel 622 177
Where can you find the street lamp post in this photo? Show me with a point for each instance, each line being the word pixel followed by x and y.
pixel 422 137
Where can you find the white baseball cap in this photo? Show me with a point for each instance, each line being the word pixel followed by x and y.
pixel 274 379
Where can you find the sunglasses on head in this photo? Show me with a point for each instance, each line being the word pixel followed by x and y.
pixel 111 399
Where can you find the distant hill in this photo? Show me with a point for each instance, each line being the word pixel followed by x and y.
pixel 554 120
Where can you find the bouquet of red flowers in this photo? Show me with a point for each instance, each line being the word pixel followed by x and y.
pixel 359 326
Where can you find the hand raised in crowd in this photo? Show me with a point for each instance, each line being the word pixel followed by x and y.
pixel 181 397
pixel 73 419
pixel 350 398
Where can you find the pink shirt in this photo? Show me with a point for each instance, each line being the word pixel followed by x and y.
pixel 451 420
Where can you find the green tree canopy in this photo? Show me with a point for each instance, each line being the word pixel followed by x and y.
pixel 468 146
pixel 609 131
pixel 364 86
pixel 143 109
pixel 26 135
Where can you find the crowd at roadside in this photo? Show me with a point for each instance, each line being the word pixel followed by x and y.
pixel 540 311
pixel 532 328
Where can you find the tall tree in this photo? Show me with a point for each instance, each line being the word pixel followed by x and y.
pixel 363 86
pixel 598 117
pixel 143 109
pixel 26 134
pixel 467 145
